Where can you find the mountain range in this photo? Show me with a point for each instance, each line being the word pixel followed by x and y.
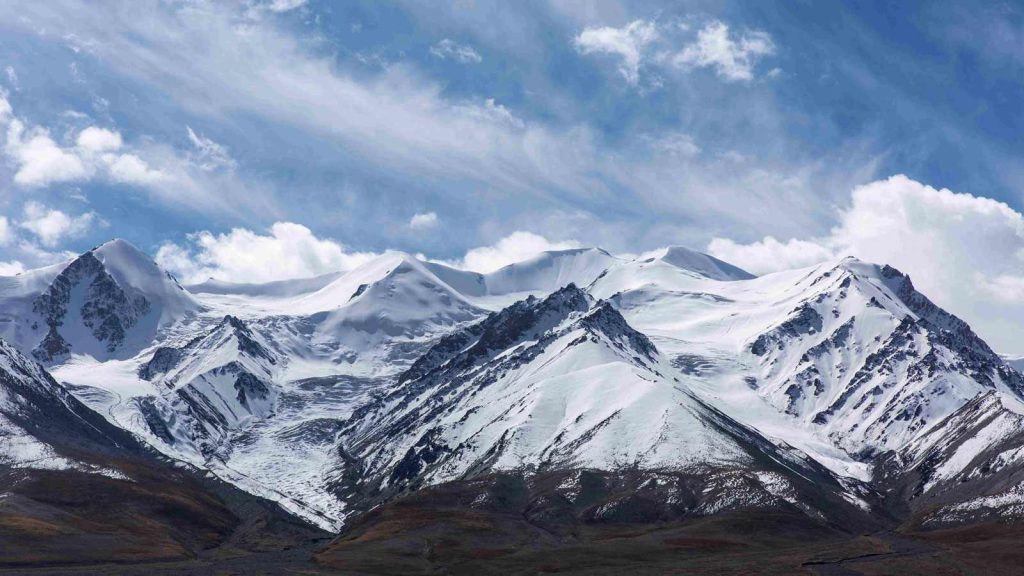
pixel 571 392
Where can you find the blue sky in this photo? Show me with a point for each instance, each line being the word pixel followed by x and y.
pixel 475 132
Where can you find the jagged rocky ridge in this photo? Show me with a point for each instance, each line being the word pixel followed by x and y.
pixel 823 389
pixel 42 423
pixel 106 309
pixel 213 384
pixel 109 303
pixel 564 383
pixel 867 356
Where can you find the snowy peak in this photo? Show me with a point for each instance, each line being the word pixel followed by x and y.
pixel 217 382
pixel 870 359
pixel 526 321
pixel 106 309
pixel 550 271
pixel 557 383
pixel 563 384
pixel 109 301
pixel 134 270
pixel 394 295
pixel 702 264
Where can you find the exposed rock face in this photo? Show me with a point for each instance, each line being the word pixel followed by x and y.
pixel 106 308
pixel 215 383
pixel 873 361
pixel 556 384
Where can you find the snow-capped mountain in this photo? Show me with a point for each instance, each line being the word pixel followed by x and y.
pixel 832 388
pixel 846 351
pixel 966 468
pixel 214 383
pixel 562 383
pixel 108 302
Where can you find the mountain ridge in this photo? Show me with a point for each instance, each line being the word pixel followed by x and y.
pixel 337 394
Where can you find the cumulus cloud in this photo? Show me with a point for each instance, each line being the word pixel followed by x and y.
pixel 627 43
pixel 769 254
pixel 641 43
pixel 130 169
pixel 733 58
pixel 515 247
pixel 41 161
pixel 463 53
pixel 424 221
pixel 965 252
pixel 287 251
pixel 52 226
pixel 95 139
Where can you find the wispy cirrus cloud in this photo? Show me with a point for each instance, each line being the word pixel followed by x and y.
pixel 449 49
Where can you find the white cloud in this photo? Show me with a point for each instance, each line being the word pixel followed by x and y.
pixel 463 53
pixel 95 140
pixel 675 144
pixel 130 169
pixel 285 5
pixel 12 78
pixel 6 231
pixel 770 255
pixel 209 155
pixel 406 124
pixel 627 42
pixel 39 159
pixel 515 247
pixel 289 251
pixel 643 42
pixel 11 268
pixel 52 226
pixel 732 58
pixel 424 221
pixel 965 252
pixel 5 109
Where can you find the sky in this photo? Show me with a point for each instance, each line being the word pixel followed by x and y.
pixel 220 136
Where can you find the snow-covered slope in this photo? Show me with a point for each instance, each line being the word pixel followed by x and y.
pixel 550 271
pixel 44 426
pixel 333 393
pixel 215 383
pixel 560 383
pixel 847 351
pixel 967 468
pixel 280 288
pixel 108 302
pixel 702 264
